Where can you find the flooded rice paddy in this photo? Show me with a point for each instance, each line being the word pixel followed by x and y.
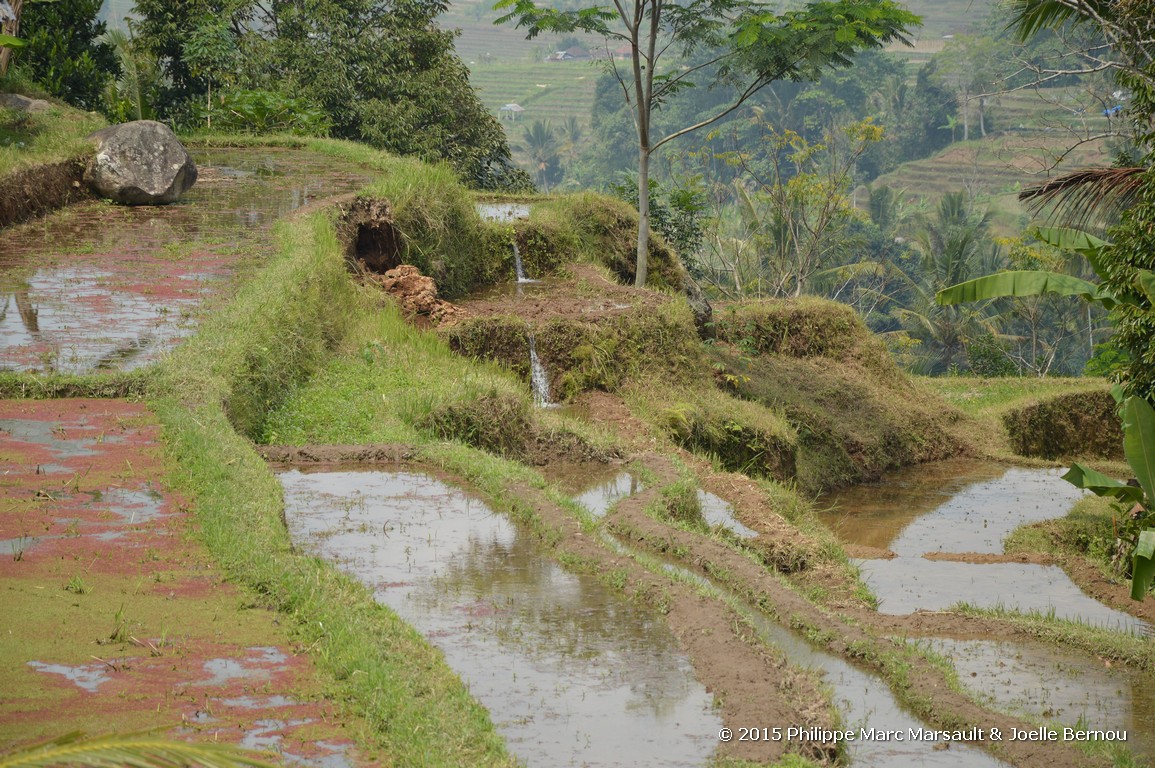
pixel 1042 681
pixel 962 508
pixel 571 672
pixel 102 286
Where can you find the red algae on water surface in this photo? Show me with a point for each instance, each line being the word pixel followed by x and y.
pixel 99 286
pixel 122 622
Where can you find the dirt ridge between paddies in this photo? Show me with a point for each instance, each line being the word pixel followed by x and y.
pixel 275 332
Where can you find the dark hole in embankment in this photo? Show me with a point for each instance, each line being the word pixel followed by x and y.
pixel 372 241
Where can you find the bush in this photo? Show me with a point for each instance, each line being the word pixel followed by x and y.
pixel 241 111
pixel 62 53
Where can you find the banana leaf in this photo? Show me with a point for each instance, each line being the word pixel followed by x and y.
pixel 1143 565
pixel 1139 443
pixel 1101 485
pixel 1023 283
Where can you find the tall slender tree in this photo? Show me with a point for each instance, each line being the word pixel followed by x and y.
pixel 733 44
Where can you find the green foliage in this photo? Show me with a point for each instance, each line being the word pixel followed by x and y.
pixel 134 94
pixel 1107 358
pixel 63 52
pixel 987 357
pixel 381 74
pixel 676 213
pixel 1126 269
pixel 245 111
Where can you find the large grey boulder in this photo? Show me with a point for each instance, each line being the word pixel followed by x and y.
pixel 140 163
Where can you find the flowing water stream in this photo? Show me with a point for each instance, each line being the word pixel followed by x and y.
pixel 538 378
pixel 98 285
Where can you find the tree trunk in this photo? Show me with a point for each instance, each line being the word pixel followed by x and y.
pixel 10 28
pixel 966 109
pixel 643 215
pixel 983 116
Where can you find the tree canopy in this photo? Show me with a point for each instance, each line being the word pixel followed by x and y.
pixel 383 73
pixel 734 46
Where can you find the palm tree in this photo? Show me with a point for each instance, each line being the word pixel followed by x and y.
pixel 540 142
pixel 953 247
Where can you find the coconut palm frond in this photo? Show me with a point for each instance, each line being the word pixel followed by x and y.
pixel 1095 194
pixel 1028 17
pixel 127 751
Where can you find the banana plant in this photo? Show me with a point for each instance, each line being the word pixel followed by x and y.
pixel 1139 449
pixel 1038 282
pixel 1137 415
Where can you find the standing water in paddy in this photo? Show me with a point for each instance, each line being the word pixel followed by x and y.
pixel 99 286
pixel 927 513
pixel 572 673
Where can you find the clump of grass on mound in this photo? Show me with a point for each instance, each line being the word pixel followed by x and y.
pixel 1074 424
pixel 678 502
pixel 741 436
pixel 804 327
pixel 1091 530
pixel 856 415
pixel 583 355
pixel 31 139
pixel 990 402
pixel 604 230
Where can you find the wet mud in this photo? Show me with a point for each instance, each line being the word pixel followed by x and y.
pixel 100 286
pixel 123 623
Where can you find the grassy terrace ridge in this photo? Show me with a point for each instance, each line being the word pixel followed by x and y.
pixel 34 139
pixel 277 330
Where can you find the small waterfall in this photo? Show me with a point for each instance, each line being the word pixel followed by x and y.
pixel 519 267
pixel 538 378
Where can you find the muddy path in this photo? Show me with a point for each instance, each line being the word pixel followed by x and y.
pixel 123 620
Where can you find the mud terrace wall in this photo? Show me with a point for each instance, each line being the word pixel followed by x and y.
pixel 36 191
pixel 1079 424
